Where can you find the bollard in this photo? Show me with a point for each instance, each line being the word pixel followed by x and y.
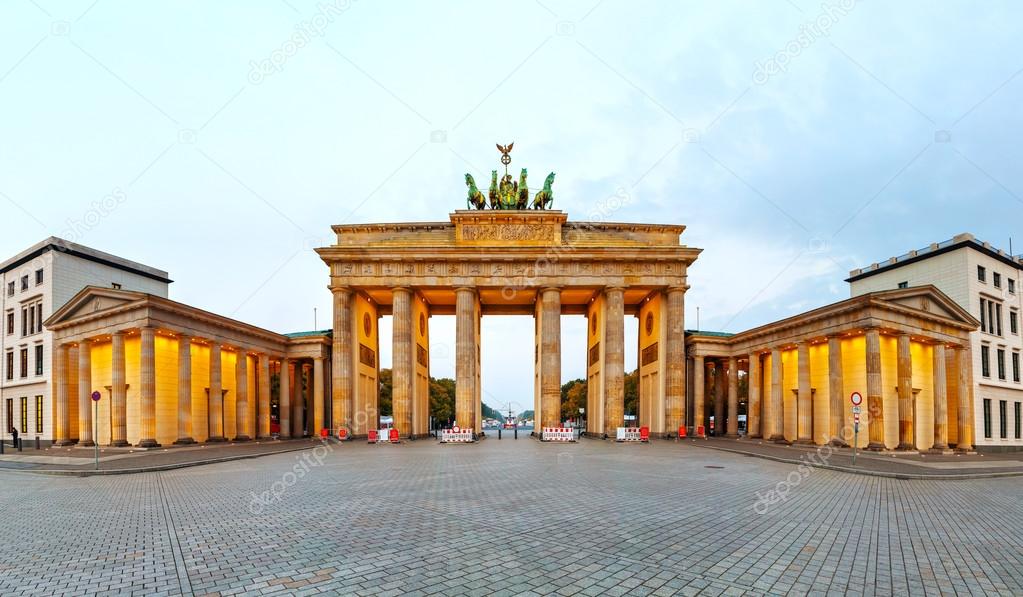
pixel 2 446
pixel 516 432
pixel 20 442
pixel 37 442
pixel 498 433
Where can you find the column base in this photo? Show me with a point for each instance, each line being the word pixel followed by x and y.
pixel 906 448
pixel 940 450
pixel 64 442
pixel 804 441
pixel 242 438
pixel 757 436
pixel 148 443
pixel 838 443
pixel 285 436
pixel 214 440
pixel 121 443
pixel 184 441
pixel 263 437
pixel 875 447
pixel 86 444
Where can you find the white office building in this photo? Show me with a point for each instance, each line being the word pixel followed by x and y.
pixel 985 281
pixel 33 284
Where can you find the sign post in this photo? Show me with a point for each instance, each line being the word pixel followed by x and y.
pixel 95 426
pixel 857 399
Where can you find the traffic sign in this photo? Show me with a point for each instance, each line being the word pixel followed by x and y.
pixel 856 399
pixel 96 396
pixel 856 418
pixel 856 410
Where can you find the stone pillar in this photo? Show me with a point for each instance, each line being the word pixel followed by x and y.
pixel 836 392
pixel 466 359
pixel 402 366
pixel 907 403
pixel 118 392
pixel 298 402
pixel 754 380
pixel 147 388
pixel 318 399
pixel 732 426
pixel 613 368
pixel 804 395
pixel 61 412
pixel 284 399
pixel 263 405
pixel 698 393
pixel 85 394
pixel 241 396
pixel 184 390
pixel 777 414
pixel 675 362
pixel 343 375
pixel 720 397
pixel 965 418
pixel 940 399
pixel 216 397
pixel 875 399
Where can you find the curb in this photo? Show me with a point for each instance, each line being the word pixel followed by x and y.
pixel 153 469
pixel 869 473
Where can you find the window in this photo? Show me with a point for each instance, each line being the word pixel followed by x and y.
pixel 987 418
pixel 903 284
pixel 985 361
pixel 39 359
pixel 10 289
pixel 10 322
pixel 981 273
pixel 24 362
pixel 1003 420
pixel 1001 363
pixel 998 319
pixel 24 414
pixel 24 283
pixel 1012 285
pixel 39 277
pixel 1014 322
pixel 996 279
pixel 1015 367
pixel 10 414
pixel 24 322
pixel 983 315
pixel 1017 429
pixel 39 413
pixel 10 364
pixel 31 319
pixel 39 317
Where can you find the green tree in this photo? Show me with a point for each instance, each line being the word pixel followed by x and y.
pixel 573 397
pixel 442 399
pixel 632 393
pixel 384 402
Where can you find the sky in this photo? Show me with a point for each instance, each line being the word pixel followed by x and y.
pixel 796 140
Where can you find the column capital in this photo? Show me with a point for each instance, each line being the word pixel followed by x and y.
pixel 683 288
pixel 471 289
pixel 339 289
pixel 616 287
pixel 407 289
pixel 545 289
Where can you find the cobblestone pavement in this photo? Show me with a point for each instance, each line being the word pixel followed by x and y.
pixel 508 517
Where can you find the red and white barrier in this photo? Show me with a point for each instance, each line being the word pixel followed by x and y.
pixel 633 434
pixel 456 435
pixel 558 434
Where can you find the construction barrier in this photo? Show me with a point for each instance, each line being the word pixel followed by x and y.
pixel 558 434
pixel 342 434
pixel 393 436
pixel 456 436
pixel 371 436
pixel 682 432
pixel 324 433
pixel 700 432
pixel 633 434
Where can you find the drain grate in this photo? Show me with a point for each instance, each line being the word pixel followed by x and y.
pixel 712 466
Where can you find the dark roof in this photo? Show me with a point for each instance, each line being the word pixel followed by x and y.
pixel 707 333
pixel 960 241
pixel 310 333
pixel 54 243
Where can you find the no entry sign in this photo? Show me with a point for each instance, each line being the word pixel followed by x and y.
pixel 856 399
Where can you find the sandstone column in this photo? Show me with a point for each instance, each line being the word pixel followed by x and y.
pixel 402 367
pixel 907 404
pixel 61 414
pixel 804 395
pixel 466 359
pixel 836 392
pixel 147 388
pixel 118 392
pixel 85 394
pixel 284 399
pixel 263 389
pixel 965 418
pixel 875 399
pixel 940 399
pixel 777 414
pixel 753 384
pixel 614 359
pixel 720 397
pixel 732 427
pixel 241 396
pixel 675 362
pixel 216 398
pixel 298 402
pixel 342 386
pixel 184 390
pixel 318 399
pixel 698 393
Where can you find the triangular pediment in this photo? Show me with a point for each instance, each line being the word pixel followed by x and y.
pixel 93 300
pixel 927 299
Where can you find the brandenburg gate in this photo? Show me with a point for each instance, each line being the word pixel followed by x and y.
pixel 508 262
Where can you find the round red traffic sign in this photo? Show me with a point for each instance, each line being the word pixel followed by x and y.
pixel 856 399
pixel 455 429
pixel 96 396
